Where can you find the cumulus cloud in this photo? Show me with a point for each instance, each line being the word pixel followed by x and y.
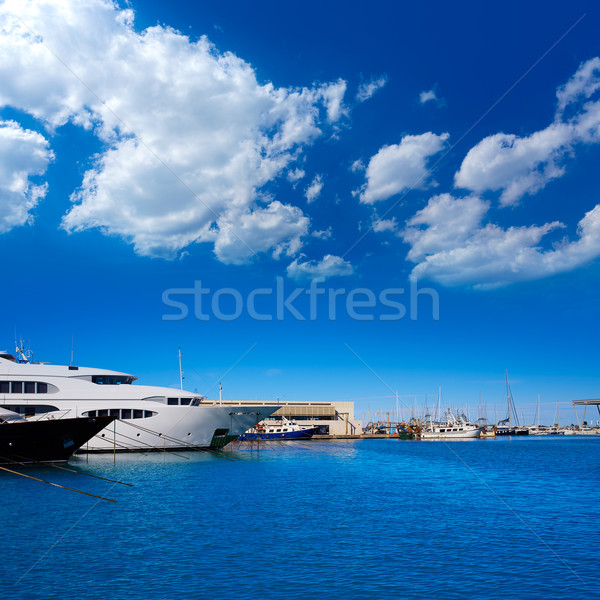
pixel 332 95
pixel 451 245
pixel 400 167
pixel 277 228
pixel 583 84
pixel 518 166
pixel 322 234
pixel 313 191
pixel 367 89
pixel 23 154
pixel 295 175
pixel 380 225
pixel 329 266
pixel 191 137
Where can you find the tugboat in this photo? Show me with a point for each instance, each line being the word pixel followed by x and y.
pixel 44 441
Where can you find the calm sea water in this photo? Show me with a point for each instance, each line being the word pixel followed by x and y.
pixel 505 518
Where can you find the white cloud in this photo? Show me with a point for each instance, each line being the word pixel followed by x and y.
pixel 295 175
pixel 451 245
pixel 357 165
pixel 191 136
pixel 584 83
pixel 313 191
pixel 518 166
pixel 401 167
pixel 332 95
pixel 515 165
pixel 380 225
pixel 330 266
pixel 323 234
pixel 278 228
pixel 427 96
pixel 367 89
pixel 23 154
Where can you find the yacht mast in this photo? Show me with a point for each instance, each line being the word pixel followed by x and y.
pixel 180 371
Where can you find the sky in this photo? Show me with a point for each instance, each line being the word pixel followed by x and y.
pixel 314 201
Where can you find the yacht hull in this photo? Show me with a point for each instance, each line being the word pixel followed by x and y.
pixel 52 440
pixel 178 428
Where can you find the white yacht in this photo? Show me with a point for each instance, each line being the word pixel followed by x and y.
pixel 147 417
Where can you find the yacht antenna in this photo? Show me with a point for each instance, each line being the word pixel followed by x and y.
pixel 180 371
pixel 72 345
pixel 220 394
pixel 22 354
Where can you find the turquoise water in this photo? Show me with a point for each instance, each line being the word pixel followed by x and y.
pixel 504 518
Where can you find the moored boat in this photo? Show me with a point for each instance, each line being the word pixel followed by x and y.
pixel 278 430
pixel 45 441
pixel 451 427
pixel 147 418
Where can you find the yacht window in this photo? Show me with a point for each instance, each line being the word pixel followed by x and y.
pixel 185 401
pixel 125 413
pixel 112 379
pixel 42 388
pixel 4 387
pixel 31 409
pixel 278 430
pixel 172 401
pixel 30 387
pixel 16 387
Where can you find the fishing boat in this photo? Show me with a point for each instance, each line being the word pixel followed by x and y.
pixel 24 441
pixel 282 429
pixel 147 418
pixel 451 427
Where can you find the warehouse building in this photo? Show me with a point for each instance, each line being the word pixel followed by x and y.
pixel 332 418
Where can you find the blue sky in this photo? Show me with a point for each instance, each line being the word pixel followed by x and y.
pixel 148 146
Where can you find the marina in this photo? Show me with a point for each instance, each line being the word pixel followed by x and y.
pixel 299 300
pixel 334 512
pixel 146 418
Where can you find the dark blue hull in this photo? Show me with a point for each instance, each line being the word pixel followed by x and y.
pixel 304 434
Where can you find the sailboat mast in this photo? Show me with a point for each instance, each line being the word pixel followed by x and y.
pixel 508 399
